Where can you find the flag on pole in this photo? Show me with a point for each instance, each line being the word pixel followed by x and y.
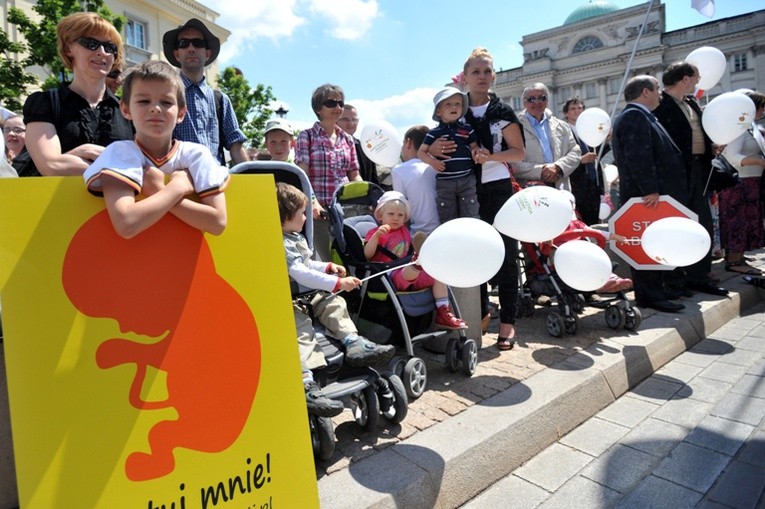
pixel 705 7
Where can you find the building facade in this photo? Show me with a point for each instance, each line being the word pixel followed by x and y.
pixel 587 56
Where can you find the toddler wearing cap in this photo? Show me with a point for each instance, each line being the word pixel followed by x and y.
pixel 455 182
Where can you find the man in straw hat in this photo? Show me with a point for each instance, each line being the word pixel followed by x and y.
pixel 192 47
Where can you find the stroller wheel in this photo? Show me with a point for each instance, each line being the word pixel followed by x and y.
pixel 571 324
pixel 415 377
pixel 398 410
pixel 366 409
pixel 555 324
pixel 633 318
pixel 396 365
pixel 452 357
pixel 469 356
pixel 615 317
pixel 322 436
pixel 577 303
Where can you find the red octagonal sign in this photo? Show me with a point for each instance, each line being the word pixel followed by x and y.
pixel 633 218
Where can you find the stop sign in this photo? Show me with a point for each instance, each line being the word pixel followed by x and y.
pixel 633 218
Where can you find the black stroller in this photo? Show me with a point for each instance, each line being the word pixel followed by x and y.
pixel 406 316
pixel 366 392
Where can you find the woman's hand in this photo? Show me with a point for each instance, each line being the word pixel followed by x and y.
pixel 442 148
pixel 481 155
pixel 317 209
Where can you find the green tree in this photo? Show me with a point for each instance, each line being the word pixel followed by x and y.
pixel 39 45
pixel 250 104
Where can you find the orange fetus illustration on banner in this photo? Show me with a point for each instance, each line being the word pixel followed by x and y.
pixel 192 326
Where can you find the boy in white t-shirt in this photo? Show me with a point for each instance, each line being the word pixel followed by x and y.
pixel 153 98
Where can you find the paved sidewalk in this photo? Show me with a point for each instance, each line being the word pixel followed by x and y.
pixel 465 434
pixel 691 435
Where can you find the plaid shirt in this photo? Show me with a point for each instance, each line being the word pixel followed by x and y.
pixel 328 165
pixel 201 122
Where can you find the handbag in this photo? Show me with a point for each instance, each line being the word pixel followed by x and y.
pixel 722 176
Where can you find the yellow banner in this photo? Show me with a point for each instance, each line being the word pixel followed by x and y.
pixel 155 372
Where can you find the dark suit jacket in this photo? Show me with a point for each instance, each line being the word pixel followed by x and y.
pixel 676 123
pixel 647 158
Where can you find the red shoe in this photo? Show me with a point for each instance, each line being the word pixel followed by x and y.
pixel 446 319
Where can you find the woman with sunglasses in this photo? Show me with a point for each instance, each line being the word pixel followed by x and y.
pixel 328 156
pixel 64 138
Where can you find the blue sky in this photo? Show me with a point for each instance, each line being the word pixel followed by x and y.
pixel 390 57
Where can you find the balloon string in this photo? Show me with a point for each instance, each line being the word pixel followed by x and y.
pixel 377 274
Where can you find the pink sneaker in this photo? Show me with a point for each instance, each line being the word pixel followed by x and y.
pixel 446 319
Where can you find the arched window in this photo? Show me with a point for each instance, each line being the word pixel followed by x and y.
pixel 587 43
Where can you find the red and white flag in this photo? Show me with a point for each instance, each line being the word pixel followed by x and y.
pixel 705 7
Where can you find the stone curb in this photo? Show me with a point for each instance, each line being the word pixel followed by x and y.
pixel 449 463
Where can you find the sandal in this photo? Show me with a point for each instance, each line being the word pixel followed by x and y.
pixel 505 343
pixel 742 268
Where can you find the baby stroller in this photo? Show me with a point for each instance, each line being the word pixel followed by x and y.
pixel 366 392
pixel 406 315
pixel 541 279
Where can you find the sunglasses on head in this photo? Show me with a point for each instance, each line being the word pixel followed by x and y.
pixel 331 103
pixel 197 43
pixel 537 99
pixel 93 44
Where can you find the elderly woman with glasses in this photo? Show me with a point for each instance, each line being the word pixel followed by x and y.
pixel 69 127
pixel 552 153
pixel 328 156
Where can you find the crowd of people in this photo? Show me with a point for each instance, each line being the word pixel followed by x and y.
pixel 480 153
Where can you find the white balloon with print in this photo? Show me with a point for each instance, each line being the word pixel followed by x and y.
pixel 535 214
pixel 593 126
pixel 676 241
pixel 710 62
pixel 582 265
pixel 381 143
pixel 727 117
pixel 463 252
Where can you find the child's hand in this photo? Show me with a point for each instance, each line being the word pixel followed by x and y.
pixel 349 283
pixel 587 158
pixel 438 165
pixel 382 230
pixel 334 268
pixel 181 179
pixel 621 239
pixel 153 180
pixel 480 155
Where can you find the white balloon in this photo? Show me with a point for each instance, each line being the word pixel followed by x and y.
pixel 463 252
pixel 727 116
pixel 582 265
pixel 534 214
pixel 610 173
pixel 381 143
pixel 710 62
pixel 676 241
pixel 604 211
pixel 593 126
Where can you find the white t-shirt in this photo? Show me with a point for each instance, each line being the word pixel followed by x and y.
pixel 417 182
pixel 492 170
pixel 125 161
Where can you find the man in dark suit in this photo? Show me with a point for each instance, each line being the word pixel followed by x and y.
pixel 650 164
pixel 680 115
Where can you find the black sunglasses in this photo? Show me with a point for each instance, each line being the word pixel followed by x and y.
pixel 197 43
pixel 537 99
pixel 93 44
pixel 331 103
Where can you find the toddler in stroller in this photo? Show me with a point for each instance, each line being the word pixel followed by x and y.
pixel 330 311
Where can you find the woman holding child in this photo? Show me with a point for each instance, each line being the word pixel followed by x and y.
pixel 501 140
pixel 66 137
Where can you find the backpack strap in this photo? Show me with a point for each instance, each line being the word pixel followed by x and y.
pixel 219 112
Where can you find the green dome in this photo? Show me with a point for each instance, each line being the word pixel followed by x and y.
pixel 590 10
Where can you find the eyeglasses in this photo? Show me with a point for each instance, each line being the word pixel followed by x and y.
pixel 331 103
pixel 197 43
pixel 537 99
pixel 93 44
pixel 14 130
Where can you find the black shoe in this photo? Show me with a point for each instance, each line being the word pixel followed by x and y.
pixel 677 293
pixel 709 287
pixel 319 404
pixel 666 306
